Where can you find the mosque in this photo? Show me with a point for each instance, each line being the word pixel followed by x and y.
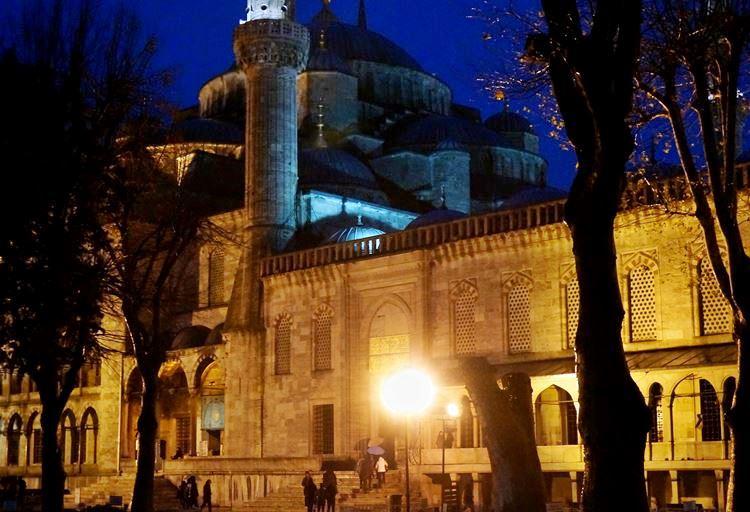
pixel 376 224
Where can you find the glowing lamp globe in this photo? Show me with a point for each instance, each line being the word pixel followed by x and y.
pixel 407 392
pixel 452 410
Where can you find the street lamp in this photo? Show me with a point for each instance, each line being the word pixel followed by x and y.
pixel 452 411
pixel 408 392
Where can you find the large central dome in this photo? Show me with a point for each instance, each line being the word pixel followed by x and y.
pixel 356 42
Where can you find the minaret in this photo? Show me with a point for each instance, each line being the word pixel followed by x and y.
pixel 271 49
pixel 362 18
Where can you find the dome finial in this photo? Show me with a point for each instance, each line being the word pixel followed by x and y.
pixel 322 40
pixel 362 21
pixel 442 198
pixel 359 221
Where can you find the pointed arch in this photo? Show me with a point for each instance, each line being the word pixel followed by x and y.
pixel 571 299
pixel 556 417
pixel 714 310
pixel 322 349
pixel 641 272
pixel 388 330
pixel 68 437
pixel 518 312
pixel 15 429
pixel 34 439
pixel 89 436
pixel 282 339
pixel 727 400
pixel 216 276
pixel 464 299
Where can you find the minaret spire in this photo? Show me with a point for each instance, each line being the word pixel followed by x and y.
pixel 362 21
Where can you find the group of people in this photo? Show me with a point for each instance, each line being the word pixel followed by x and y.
pixel 12 492
pixel 320 498
pixel 367 469
pixel 187 493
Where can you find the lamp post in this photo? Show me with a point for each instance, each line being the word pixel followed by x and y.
pixel 452 411
pixel 409 393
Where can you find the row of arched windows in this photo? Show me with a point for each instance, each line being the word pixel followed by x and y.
pixel 89 375
pixel 694 410
pixel 322 351
pixel 78 442
pixel 714 312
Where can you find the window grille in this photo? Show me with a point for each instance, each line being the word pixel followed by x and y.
pixel 36 457
pixel 322 339
pixel 519 319
pixel 715 311
pixel 465 328
pixel 641 285
pixel 183 434
pixel 467 425
pixel 572 307
pixel 323 429
pixel 571 423
pixel 656 434
pixel 710 420
pixel 216 277
pixel 283 346
pixel 14 441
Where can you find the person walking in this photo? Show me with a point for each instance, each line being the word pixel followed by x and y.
pixel 182 493
pixel 207 495
pixel 309 489
pixel 381 466
pixel 320 499
pixel 364 471
pixel 330 484
pixel 192 493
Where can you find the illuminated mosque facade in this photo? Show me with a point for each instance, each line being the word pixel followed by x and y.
pixel 377 224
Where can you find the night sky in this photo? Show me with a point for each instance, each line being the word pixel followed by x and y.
pixel 195 40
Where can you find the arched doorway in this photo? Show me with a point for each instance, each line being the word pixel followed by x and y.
pixel 132 410
pixel 211 387
pixel 34 440
pixel 556 418
pixel 174 409
pixel 696 414
pixel 15 427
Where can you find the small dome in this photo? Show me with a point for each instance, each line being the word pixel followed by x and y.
pixel 208 130
pixel 507 121
pixel 214 337
pixel 191 337
pixel 530 195
pixel 352 233
pixel 438 216
pixel 435 132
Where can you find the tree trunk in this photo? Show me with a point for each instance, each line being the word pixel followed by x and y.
pixel 53 473
pixel 613 418
pixel 738 493
pixel 507 425
pixel 143 491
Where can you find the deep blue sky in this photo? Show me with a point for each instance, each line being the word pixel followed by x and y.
pixel 195 39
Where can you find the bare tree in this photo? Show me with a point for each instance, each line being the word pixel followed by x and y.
pixel 70 86
pixel 508 426
pixel 694 56
pixel 588 52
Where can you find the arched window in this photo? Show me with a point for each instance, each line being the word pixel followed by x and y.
pixel 519 319
pixel 715 311
pixel 730 386
pixel 322 320
pixel 89 436
pixel 656 434
pixel 464 304
pixel 642 294
pixel 15 427
pixel 283 345
pixel 556 418
pixel 710 420
pixel 466 424
pixel 16 383
pixel 216 277
pixel 69 438
pixel 34 440
pixel 572 308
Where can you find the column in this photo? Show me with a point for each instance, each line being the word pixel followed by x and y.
pixel 574 486
pixel 674 477
pixel 721 498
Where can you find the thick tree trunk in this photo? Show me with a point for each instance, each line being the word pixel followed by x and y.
pixel 143 491
pixel 613 418
pixel 738 493
pixel 507 424
pixel 53 473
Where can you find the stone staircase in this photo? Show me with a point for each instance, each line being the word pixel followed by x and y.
pixel 99 493
pixel 290 498
pixel 378 500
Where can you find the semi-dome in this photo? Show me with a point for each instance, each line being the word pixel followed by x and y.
pixel 438 216
pixel 330 166
pixel 208 130
pixel 191 337
pixel 507 121
pixel 353 42
pixel 435 131
pixel 352 233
